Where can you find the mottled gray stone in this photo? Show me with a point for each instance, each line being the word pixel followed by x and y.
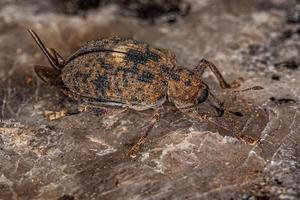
pixel 83 156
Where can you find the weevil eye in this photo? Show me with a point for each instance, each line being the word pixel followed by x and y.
pixel 203 96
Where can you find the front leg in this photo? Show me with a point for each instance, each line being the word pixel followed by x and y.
pixel 136 147
pixel 203 64
pixel 213 119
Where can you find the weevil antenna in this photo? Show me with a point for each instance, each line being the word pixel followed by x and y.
pixel 257 87
pixel 220 107
pixel 238 91
pixel 216 104
pixel 41 45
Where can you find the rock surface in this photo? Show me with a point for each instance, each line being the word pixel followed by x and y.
pixel 83 156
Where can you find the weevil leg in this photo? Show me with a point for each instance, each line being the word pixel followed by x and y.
pixel 48 75
pixel 41 45
pixel 97 108
pixel 136 147
pixel 58 58
pixel 101 109
pixel 203 64
pixel 54 115
pixel 71 94
pixel 213 119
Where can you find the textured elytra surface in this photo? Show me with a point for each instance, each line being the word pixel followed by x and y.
pixel 83 156
pixel 126 71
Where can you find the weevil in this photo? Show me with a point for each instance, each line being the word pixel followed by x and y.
pixel 127 73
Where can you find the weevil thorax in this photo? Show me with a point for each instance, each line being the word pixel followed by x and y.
pixel 188 90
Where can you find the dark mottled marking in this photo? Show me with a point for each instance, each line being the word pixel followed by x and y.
pixel 99 60
pixel 169 73
pixel 132 70
pixel 175 76
pixel 164 69
pixel 188 82
pixel 86 65
pixel 117 40
pixel 119 91
pixel 146 77
pixel 136 56
pixel 134 99
pixel 191 73
pixel 152 56
pixel 140 57
pixel 164 82
pixel 77 75
pixel 125 82
pixel 84 77
pixel 136 42
pixel 76 88
pixel 106 66
pixel 101 83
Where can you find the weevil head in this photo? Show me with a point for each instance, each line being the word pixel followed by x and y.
pixel 187 89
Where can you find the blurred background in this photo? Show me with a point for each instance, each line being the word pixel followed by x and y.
pixel 83 156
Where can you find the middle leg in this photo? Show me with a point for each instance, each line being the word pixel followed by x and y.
pixel 136 147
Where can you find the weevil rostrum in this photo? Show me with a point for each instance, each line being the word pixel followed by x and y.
pixel 127 73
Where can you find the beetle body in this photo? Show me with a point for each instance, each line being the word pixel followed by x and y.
pixel 129 73
pixel 123 71
pixel 126 73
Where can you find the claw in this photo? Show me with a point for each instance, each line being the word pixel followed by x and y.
pixel 248 139
pixel 135 149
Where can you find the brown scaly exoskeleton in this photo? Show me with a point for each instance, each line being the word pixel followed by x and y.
pixel 148 77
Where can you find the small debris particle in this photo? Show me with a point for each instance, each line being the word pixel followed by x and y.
pixel 288 64
pixel 278 181
pixel 282 100
pixel 29 80
pixel 293 16
pixel 66 197
pixel 275 77
pixel 117 183
pixel 52 115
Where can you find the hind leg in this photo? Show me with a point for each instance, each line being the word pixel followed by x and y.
pixel 59 60
pixel 53 57
pixel 84 105
pixel 48 75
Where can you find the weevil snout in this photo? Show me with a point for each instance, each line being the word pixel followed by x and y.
pixel 189 91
